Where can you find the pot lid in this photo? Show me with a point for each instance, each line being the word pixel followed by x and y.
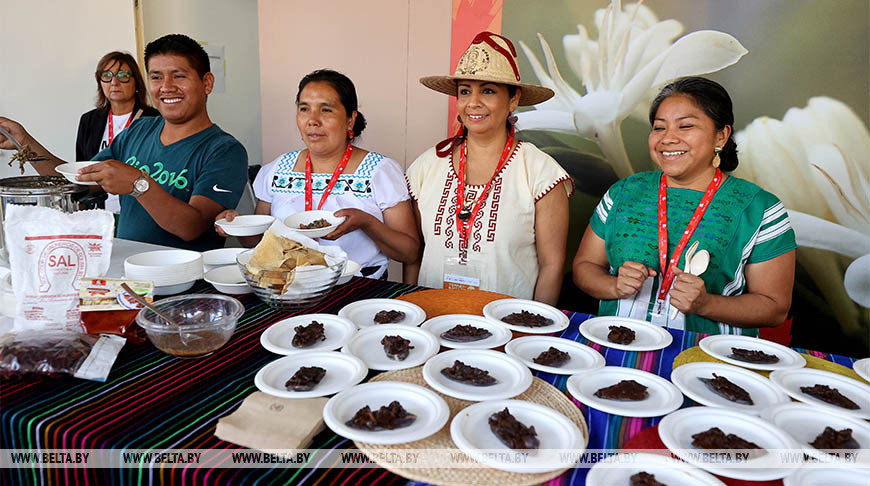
pixel 38 185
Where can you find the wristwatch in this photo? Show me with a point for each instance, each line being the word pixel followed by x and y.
pixel 140 185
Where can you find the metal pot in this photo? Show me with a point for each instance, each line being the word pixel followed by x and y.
pixel 44 191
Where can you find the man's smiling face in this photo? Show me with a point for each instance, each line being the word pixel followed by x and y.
pixel 178 92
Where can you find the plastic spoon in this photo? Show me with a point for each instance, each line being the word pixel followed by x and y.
pixel 138 298
pixel 695 266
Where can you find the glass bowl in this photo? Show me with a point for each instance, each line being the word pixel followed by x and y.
pixel 205 322
pixel 309 284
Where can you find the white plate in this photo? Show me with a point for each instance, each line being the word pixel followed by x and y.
pixel 791 381
pixel 307 217
pixel 648 337
pixel 527 348
pixel 431 411
pixel 228 280
pixel 366 345
pixel 342 371
pixel 70 170
pixel 663 397
pixel 220 257
pixel 351 268
pixel 278 338
pixel 719 346
pixel 362 312
pixel 862 367
pixel 512 376
pixel 471 433
pixel 438 325
pixel 676 432
pixel 762 392
pixel 667 470
pixel 804 423
pixel 247 225
pixel 843 476
pixel 497 309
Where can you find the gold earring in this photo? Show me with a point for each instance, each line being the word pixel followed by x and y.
pixel 716 160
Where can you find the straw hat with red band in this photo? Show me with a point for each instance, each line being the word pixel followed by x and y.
pixel 491 58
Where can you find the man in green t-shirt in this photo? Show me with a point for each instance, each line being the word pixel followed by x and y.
pixel 175 172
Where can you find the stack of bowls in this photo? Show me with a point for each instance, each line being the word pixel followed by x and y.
pixel 172 271
pixel 310 284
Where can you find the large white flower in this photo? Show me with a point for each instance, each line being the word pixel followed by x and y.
pixel 634 54
pixel 817 160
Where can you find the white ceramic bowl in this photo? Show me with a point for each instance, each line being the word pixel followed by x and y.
pixel 249 225
pixel 218 258
pixel 228 280
pixel 164 267
pixel 307 217
pixel 71 169
pixel 350 269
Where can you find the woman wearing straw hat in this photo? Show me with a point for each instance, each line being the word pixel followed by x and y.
pixel 493 211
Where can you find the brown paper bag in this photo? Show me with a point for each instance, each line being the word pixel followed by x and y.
pixel 264 422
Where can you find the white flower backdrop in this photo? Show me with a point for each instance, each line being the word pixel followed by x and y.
pixel 816 157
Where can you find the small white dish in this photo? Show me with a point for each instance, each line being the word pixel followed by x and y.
pixel 431 411
pixel 667 470
pixel 791 381
pixel 342 372
pixel 228 280
pixel 804 423
pixel 557 433
pixel 527 348
pixel 663 397
pixel 438 325
pixel 513 378
pixel 70 170
pixel 648 336
pixel 719 346
pixel 676 432
pixel 278 338
pixel 862 368
pixel 498 309
pixel 351 268
pixel 839 476
pixel 362 312
pixel 246 225
pixel 307 217
pixel 220 257
pixel 366 345
pixel 762 392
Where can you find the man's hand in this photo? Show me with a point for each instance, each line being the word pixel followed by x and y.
pixel 354 219
pixel 630 278
pixel 16 130
pixel 229 215
pixel 114 176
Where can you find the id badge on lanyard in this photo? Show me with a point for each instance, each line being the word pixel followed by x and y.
pixel 461 273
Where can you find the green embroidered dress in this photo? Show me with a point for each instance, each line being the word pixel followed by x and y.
pixel 744 224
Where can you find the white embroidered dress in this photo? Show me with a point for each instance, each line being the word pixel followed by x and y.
pixel 502 238
pixel 375 186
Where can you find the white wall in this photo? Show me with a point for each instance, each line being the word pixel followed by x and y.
pixel 48 55
pixel 232 23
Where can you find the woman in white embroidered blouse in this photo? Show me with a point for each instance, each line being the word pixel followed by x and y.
pixel 369 189
pixel 484 202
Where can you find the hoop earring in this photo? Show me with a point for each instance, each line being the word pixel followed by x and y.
pixel 716 160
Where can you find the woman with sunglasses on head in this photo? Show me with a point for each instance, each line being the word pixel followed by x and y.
pixel 493 210
pixel 121 99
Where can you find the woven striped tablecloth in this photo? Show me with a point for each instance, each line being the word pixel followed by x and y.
pixel 154 401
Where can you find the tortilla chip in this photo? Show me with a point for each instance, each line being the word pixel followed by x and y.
pixel 269 252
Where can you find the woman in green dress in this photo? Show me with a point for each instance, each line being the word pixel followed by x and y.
pixel 646 222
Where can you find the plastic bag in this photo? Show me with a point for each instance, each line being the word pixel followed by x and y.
pixel 55 354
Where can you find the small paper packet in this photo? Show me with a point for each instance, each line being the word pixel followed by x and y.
pixel 269 424
pixel 106 294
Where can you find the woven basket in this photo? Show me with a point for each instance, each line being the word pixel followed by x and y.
pixel 539 392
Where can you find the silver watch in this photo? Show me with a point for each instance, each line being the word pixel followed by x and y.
pixel 140 185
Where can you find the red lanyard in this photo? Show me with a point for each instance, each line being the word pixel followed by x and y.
pixel 668 277
pixel 112 123
pixel 465 217
pixel 338 170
